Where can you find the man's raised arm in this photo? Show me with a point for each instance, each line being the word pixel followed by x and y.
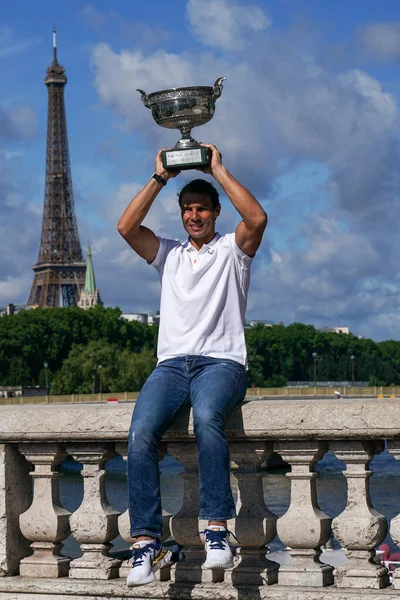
pixel 140 238
pixel 249 232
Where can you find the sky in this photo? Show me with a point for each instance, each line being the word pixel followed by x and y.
pixel 308 120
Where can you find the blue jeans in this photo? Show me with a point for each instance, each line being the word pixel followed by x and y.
pixel 212 387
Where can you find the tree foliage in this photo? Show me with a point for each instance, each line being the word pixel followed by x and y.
pixel 281 354
pixel 75 342
pixel 68 339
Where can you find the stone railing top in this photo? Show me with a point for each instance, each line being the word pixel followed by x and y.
pixel 254 419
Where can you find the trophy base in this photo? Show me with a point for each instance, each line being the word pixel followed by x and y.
pixel 189 158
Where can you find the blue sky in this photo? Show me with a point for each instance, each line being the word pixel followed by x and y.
pixel 308 120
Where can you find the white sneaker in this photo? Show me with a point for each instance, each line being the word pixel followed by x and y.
pixel 148 557
pixel 219 552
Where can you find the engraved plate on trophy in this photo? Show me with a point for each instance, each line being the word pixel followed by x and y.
pixel 184 109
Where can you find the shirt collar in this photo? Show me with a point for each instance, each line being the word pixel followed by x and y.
pixel 188 246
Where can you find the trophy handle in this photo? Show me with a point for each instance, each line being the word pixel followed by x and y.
pixel 145 98
pixel 217 91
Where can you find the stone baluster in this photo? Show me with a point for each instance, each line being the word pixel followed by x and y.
pixel 166 515
pixel 255 524
pixel 359 528
pixel 185 524
pixel 45 523
pixel 94 524
pixel 394 449
pixel 124 522
pixel 304 527
pixel 15 498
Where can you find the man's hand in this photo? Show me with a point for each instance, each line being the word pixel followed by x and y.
pixel 161 170
pixel 216 160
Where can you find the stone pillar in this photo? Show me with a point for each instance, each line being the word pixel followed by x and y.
pixel 304 527
pixel 185 524
pixel 254 525
pixel 359 528
pixel 124 522
pixel 94 524
pixel 15 498
pixel 166 516
pixel 394 449
pixel 45 523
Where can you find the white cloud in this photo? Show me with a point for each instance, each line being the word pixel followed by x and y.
pixel 94 18
pixel 20 217
pixel 10 44
pixel 381 41
pixel 117 76
pixel 99 245
pixel 126 259
pixel 281 107
pixel 13 287
pixel 111 22
pixel 123 196
pixel 337 278
pixel 289 108
pixel 225 23
pixel 24 119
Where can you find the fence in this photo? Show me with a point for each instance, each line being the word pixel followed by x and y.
pixel 34 523
pixel 292 392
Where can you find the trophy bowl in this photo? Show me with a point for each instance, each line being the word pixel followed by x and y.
pixel 183 109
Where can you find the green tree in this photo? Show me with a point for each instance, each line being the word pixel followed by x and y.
pixel 74 342
pixel 80 374
pixel 133 370
pixel 18 373
pixel 121 370
pixel 36 336
pixel 276 381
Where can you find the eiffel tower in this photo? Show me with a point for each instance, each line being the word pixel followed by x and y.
pixel 60 269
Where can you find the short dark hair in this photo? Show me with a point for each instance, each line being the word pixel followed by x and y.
pixel 200 186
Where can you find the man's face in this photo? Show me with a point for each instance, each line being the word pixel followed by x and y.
pixel 198 216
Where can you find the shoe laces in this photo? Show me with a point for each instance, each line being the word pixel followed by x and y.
pixel 217 538
pixel 140 553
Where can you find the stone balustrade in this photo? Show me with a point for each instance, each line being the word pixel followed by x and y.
pixel 34 440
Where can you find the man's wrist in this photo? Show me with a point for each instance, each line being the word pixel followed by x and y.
pixel 219 172
pixel 161 178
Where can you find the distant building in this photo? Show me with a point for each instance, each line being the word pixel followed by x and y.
pixel 345 330
pixel 255 322
pixel 59 272
pixel 90 296
pixel 342 329
pixel 11 391
pixel 16 391
pixel 12 309
pixel 140 317
pixel 145 317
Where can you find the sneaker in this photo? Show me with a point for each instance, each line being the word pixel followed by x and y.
pixel 148 557
pixel 219 552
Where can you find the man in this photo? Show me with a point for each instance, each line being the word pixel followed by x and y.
pixel 201 353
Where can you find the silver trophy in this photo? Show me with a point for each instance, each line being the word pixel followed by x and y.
pixel 183 109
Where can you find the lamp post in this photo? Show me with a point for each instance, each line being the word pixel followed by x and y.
pixel 46 369
pixel 100 381
pixel 94 380
pixel 352 357
pixel 315 357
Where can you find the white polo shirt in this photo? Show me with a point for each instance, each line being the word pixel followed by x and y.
pixel 203 299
